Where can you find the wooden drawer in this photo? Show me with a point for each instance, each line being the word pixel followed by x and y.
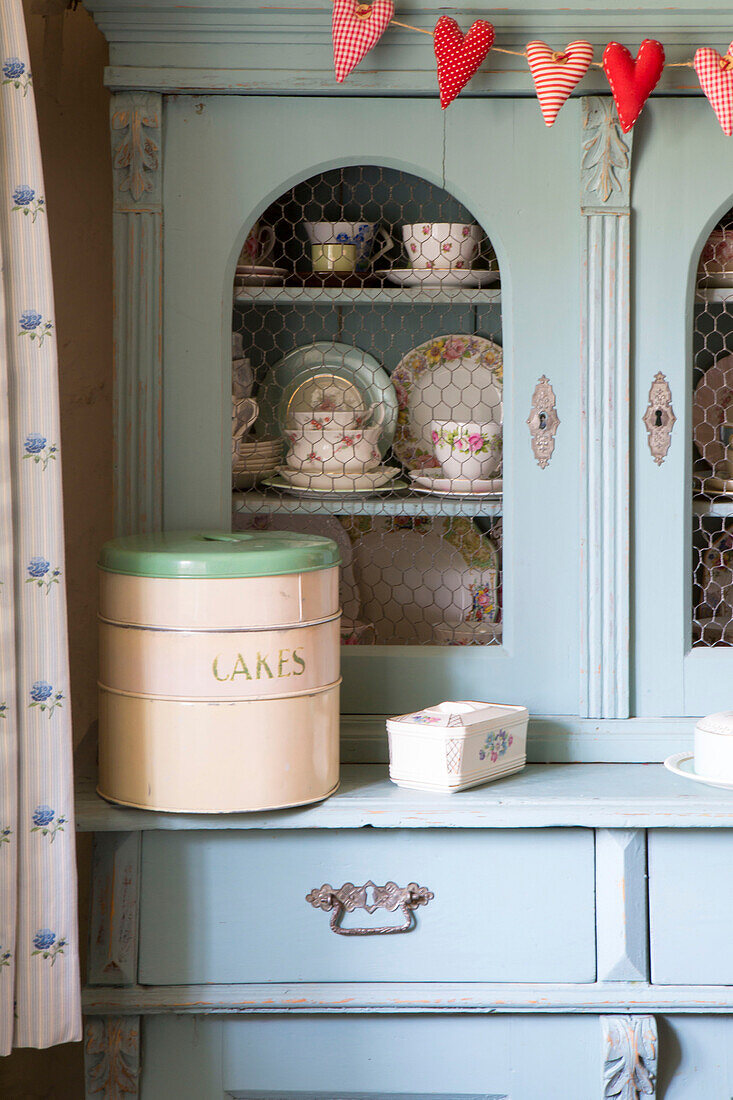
pixel 690 904
pixel 509 905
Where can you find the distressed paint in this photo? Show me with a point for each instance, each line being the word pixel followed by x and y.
pixel 114 909
pixel 612 796
pixel 621 905
pixel 604 385
pixel 397 998
pixel 630 1057
pixel 112 1057
pixel 136 125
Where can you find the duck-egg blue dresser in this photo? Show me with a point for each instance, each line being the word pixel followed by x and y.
pixel 577 943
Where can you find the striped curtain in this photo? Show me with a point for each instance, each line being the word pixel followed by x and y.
pixel 39 964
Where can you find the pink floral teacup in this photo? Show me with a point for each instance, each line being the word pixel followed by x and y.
pixel 465 449
pixel 441 244
pixel 333 450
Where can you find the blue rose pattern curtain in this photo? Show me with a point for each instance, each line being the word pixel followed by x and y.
pixel 39 967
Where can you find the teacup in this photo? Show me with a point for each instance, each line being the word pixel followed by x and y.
pixel 361 234
pixel 332 450
pixel 258 247
pixel 441 244
pixel 465 449
pixel 333 257
pixel 343 418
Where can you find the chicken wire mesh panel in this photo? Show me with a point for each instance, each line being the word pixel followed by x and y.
pixel 367 399
pixel 712 416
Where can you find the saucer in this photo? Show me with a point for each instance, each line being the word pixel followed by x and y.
pixel 259 276
pixel 279 482
pixel 337 483
pixel 683 764
pixel 467 277
pixel 433 481
pixel 717 485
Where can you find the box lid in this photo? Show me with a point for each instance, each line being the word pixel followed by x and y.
pixel 215 554
pixel 460 714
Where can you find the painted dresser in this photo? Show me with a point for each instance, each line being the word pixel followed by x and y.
pixel 562 934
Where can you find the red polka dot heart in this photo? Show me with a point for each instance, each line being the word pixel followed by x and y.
pixel 459 55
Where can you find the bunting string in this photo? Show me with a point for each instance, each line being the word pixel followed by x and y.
pixel 358 26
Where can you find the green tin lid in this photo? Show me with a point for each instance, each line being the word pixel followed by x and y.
pixel 203 554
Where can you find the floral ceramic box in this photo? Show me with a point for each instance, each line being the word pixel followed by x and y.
pixel 455 745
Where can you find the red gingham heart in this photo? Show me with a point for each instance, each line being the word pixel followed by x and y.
pixel 555 75
pixel 458 55
pixel 632 80
pixel 715 74
pixel 356 28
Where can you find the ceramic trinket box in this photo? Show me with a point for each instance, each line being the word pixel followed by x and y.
pixel 456 745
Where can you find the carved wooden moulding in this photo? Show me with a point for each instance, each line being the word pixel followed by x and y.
pixel 659 418
pixel 630 1057
pixel 543 421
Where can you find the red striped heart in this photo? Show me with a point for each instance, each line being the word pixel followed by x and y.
pixel 632 81
pixel 356 28
pixel 556 74
pixel 459 55
pixel 715 74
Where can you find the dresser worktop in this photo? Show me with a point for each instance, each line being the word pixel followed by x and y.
pixel 542 795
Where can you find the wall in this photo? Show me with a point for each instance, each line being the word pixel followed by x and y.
pixel 68 55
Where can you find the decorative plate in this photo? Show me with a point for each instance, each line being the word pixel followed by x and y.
pixel 683 764
pixel 713 395
pixel 284 486
pixel 333 365
pixel 435 571
pixel 454 377
pixel 369 479
pixel 433 481
pixel 259 276
pixel 468 278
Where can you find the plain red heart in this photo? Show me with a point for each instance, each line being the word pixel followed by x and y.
pixel 632 81
pixel 459 55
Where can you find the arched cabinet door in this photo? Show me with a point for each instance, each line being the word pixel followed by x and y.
pixel 227 158
pixel 683 186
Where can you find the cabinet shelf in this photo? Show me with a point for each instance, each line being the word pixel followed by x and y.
pixel 365 296
pixel 409 504
pixel 717 295
pixel 722 507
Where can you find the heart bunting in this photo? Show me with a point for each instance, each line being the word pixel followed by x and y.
pixel 632 80
pixel 556 74
pixel 459 55
pixel 715 74
pixel 356 28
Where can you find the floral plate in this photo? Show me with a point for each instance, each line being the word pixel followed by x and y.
pixel 453 377
pixel 436 483
pixel 416 573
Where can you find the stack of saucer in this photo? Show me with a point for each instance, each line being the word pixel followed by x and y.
pixel 257 459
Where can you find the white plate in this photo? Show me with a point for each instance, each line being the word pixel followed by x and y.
pixel 337 483
pixel 683 764
pixel 466 277
pixel 412 580
pixel 452 377
pixel 284 486
pixel 259 276
pixel 432 481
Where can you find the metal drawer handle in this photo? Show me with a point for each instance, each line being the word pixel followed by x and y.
pixel 390 897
